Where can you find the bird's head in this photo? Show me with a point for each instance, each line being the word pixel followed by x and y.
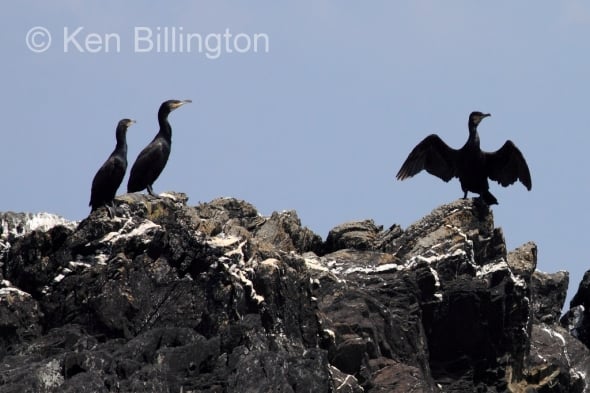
pixel 170 105
pixel 476 117
pixel 126 123
pixel 122 127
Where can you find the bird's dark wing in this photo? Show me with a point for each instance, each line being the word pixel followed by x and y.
pixel 508 165
pixel 432 154
pixel 148 165
pixel 107 180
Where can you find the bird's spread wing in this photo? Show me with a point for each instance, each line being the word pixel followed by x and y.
pixel 432 154
pixel 508 165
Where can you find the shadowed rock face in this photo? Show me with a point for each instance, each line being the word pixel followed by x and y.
pixel 217 298
pixel 577 319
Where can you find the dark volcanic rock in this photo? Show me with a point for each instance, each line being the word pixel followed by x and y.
pixel 577 319
pixel 550 292
pixel 557 362
pixel 20 318
pixel 359 235
pixel 14 225
pixel 461 313
pixel 523 261
pixel 218 298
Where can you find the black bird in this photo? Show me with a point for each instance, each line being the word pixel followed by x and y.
pixel 110 175
pixel 470 164
pixel 152 159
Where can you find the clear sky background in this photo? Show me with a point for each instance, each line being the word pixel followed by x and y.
pixel 322 122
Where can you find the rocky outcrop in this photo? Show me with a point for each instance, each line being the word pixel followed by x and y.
pixel 218 298
pixel 577 319
pixel 14 225
pixel 549 296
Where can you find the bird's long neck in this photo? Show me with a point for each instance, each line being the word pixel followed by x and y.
pixel 473 135
pixel 121 140
pixel 165 128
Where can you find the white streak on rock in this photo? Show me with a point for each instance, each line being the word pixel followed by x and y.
pixel 74 264
pixel 13 290
pixel 143 228
pixel 222 241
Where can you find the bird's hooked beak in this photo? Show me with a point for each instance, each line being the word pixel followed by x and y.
pixel 481 117
pixel 180 103
pixel 131 122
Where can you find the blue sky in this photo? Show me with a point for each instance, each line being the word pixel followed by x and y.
pixel 321 122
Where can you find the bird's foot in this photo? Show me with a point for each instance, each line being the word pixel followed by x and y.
pixel 111 210
pixel 151 191
pixel 483 201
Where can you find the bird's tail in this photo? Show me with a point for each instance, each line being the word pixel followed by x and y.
pixel 488 198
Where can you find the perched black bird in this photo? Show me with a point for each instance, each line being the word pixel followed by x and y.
pixel 152 159
pixel 470 164
pixel 110 175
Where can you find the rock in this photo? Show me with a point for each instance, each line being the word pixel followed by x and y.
pixel 523 261
pixel 449 294
pixel 15 225
pixel 20 317
pixel 577 319
pixel 283 231
pixel 550 291
pixel 166 297
pixel 358 235
pixel 29 264
pixel 557 362
pixel 19 224
pixel 444 224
